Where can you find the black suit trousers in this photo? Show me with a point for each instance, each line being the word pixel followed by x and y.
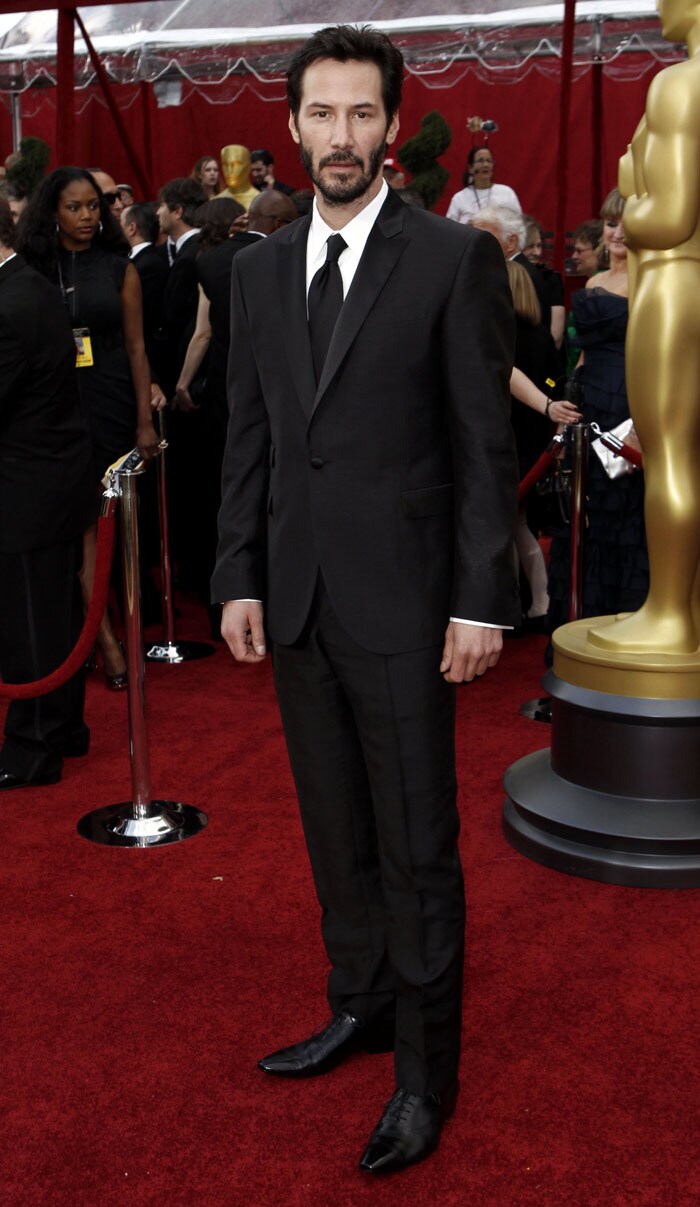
pixel 41 613
pixel 371 745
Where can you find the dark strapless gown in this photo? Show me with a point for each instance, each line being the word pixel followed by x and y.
pixel 616 567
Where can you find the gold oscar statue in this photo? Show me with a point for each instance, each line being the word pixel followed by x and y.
pixel 660 176
pixel 235 167
pixel 660 179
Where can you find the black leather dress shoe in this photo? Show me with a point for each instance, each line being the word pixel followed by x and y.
pixel 8 780
pixel 409 1129
pixel 344 1035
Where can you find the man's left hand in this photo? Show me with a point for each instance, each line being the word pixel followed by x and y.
pixel 469 651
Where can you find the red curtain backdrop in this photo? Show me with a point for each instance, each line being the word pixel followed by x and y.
pixel 524 148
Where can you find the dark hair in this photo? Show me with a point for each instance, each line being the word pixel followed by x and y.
pixel 143 215
pixel 214 219
pixel 303 200
pixel 37 238
pixel 349 43
pixel 473 152
pixel 262 155
pixel 185 192
pixel 7 224
pixel 195 173
pixel 590 231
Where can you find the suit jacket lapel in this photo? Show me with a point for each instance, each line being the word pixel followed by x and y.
pixel 291 273
pixel 384 246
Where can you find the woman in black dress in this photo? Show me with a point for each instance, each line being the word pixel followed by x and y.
pixel 69 235
pixel 616 567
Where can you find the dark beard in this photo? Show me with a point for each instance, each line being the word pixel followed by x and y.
pixel 343 190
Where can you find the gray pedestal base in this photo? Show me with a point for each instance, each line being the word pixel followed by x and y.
pixel 617 798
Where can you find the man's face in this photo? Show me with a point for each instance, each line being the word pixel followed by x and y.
pixel 167 218
pixel 259 170
pixel 341 128
pixel 17 208
pixel 509 243
pixel 585 258
pixel 126 224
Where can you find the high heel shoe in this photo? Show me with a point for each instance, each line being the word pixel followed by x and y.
pixel 120 681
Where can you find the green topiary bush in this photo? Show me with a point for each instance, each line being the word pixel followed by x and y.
pixel 419 157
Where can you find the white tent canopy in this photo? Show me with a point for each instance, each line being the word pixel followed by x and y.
pixel 208 40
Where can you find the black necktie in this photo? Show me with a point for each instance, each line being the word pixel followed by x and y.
pixel 325 300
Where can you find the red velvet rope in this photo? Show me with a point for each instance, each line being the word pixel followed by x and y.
pixel 630 454
pixel 533 475
pixel 93 618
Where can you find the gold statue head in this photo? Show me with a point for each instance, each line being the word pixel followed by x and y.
pixel 235 166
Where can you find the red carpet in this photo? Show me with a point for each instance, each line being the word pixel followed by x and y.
pixel 141 986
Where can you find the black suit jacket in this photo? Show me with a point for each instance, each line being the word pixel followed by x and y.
pixel 396 475
pixel 47 479
pixel 179 314
pixel 213 269
pixel 153 270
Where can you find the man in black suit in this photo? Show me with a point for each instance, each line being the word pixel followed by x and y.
pixel 369 497
pixel 262 173
pixel 140 226
pixel 177 202
pixel 46 502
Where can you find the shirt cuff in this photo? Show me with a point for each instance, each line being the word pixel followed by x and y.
pixel 480 623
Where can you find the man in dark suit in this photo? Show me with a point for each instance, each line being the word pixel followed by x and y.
pixel 46 502
pixel 262 173
pixel 177 202
pixel 140 226
pixel 369 496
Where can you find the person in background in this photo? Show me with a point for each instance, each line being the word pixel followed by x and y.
pixel 262 172
pixel 220 243
pixel 125 194
pixel 395 178
pixel 70 236
pixel 536 358
pixel 553 284
pixel 586 258
pixel 616 567
pixel 587 248
pixel 479 189
pixel 206 173
pixel 47 501
pixel 107 184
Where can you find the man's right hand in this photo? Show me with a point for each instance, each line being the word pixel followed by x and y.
pixel 242 630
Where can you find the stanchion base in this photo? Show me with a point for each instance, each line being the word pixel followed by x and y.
pixel 538 710
pixel 179 651
pixel 119 826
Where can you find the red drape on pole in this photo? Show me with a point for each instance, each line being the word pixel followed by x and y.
pixel 596 142
pixel 567 54
pixel 65 107
pixel 142 176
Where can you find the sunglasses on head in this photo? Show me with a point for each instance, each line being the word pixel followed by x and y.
pixel 110 198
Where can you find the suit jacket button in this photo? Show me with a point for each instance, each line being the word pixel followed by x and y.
pixel 317 462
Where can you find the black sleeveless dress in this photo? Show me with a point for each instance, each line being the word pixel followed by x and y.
pixel 616 566
pixel 91 282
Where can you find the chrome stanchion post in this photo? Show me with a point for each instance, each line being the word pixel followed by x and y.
pixel 169 649
pixel 142 821
pixel 578 518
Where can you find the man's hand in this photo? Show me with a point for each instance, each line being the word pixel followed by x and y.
pixel 158 399
pixel 469 651
pixel 242 630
